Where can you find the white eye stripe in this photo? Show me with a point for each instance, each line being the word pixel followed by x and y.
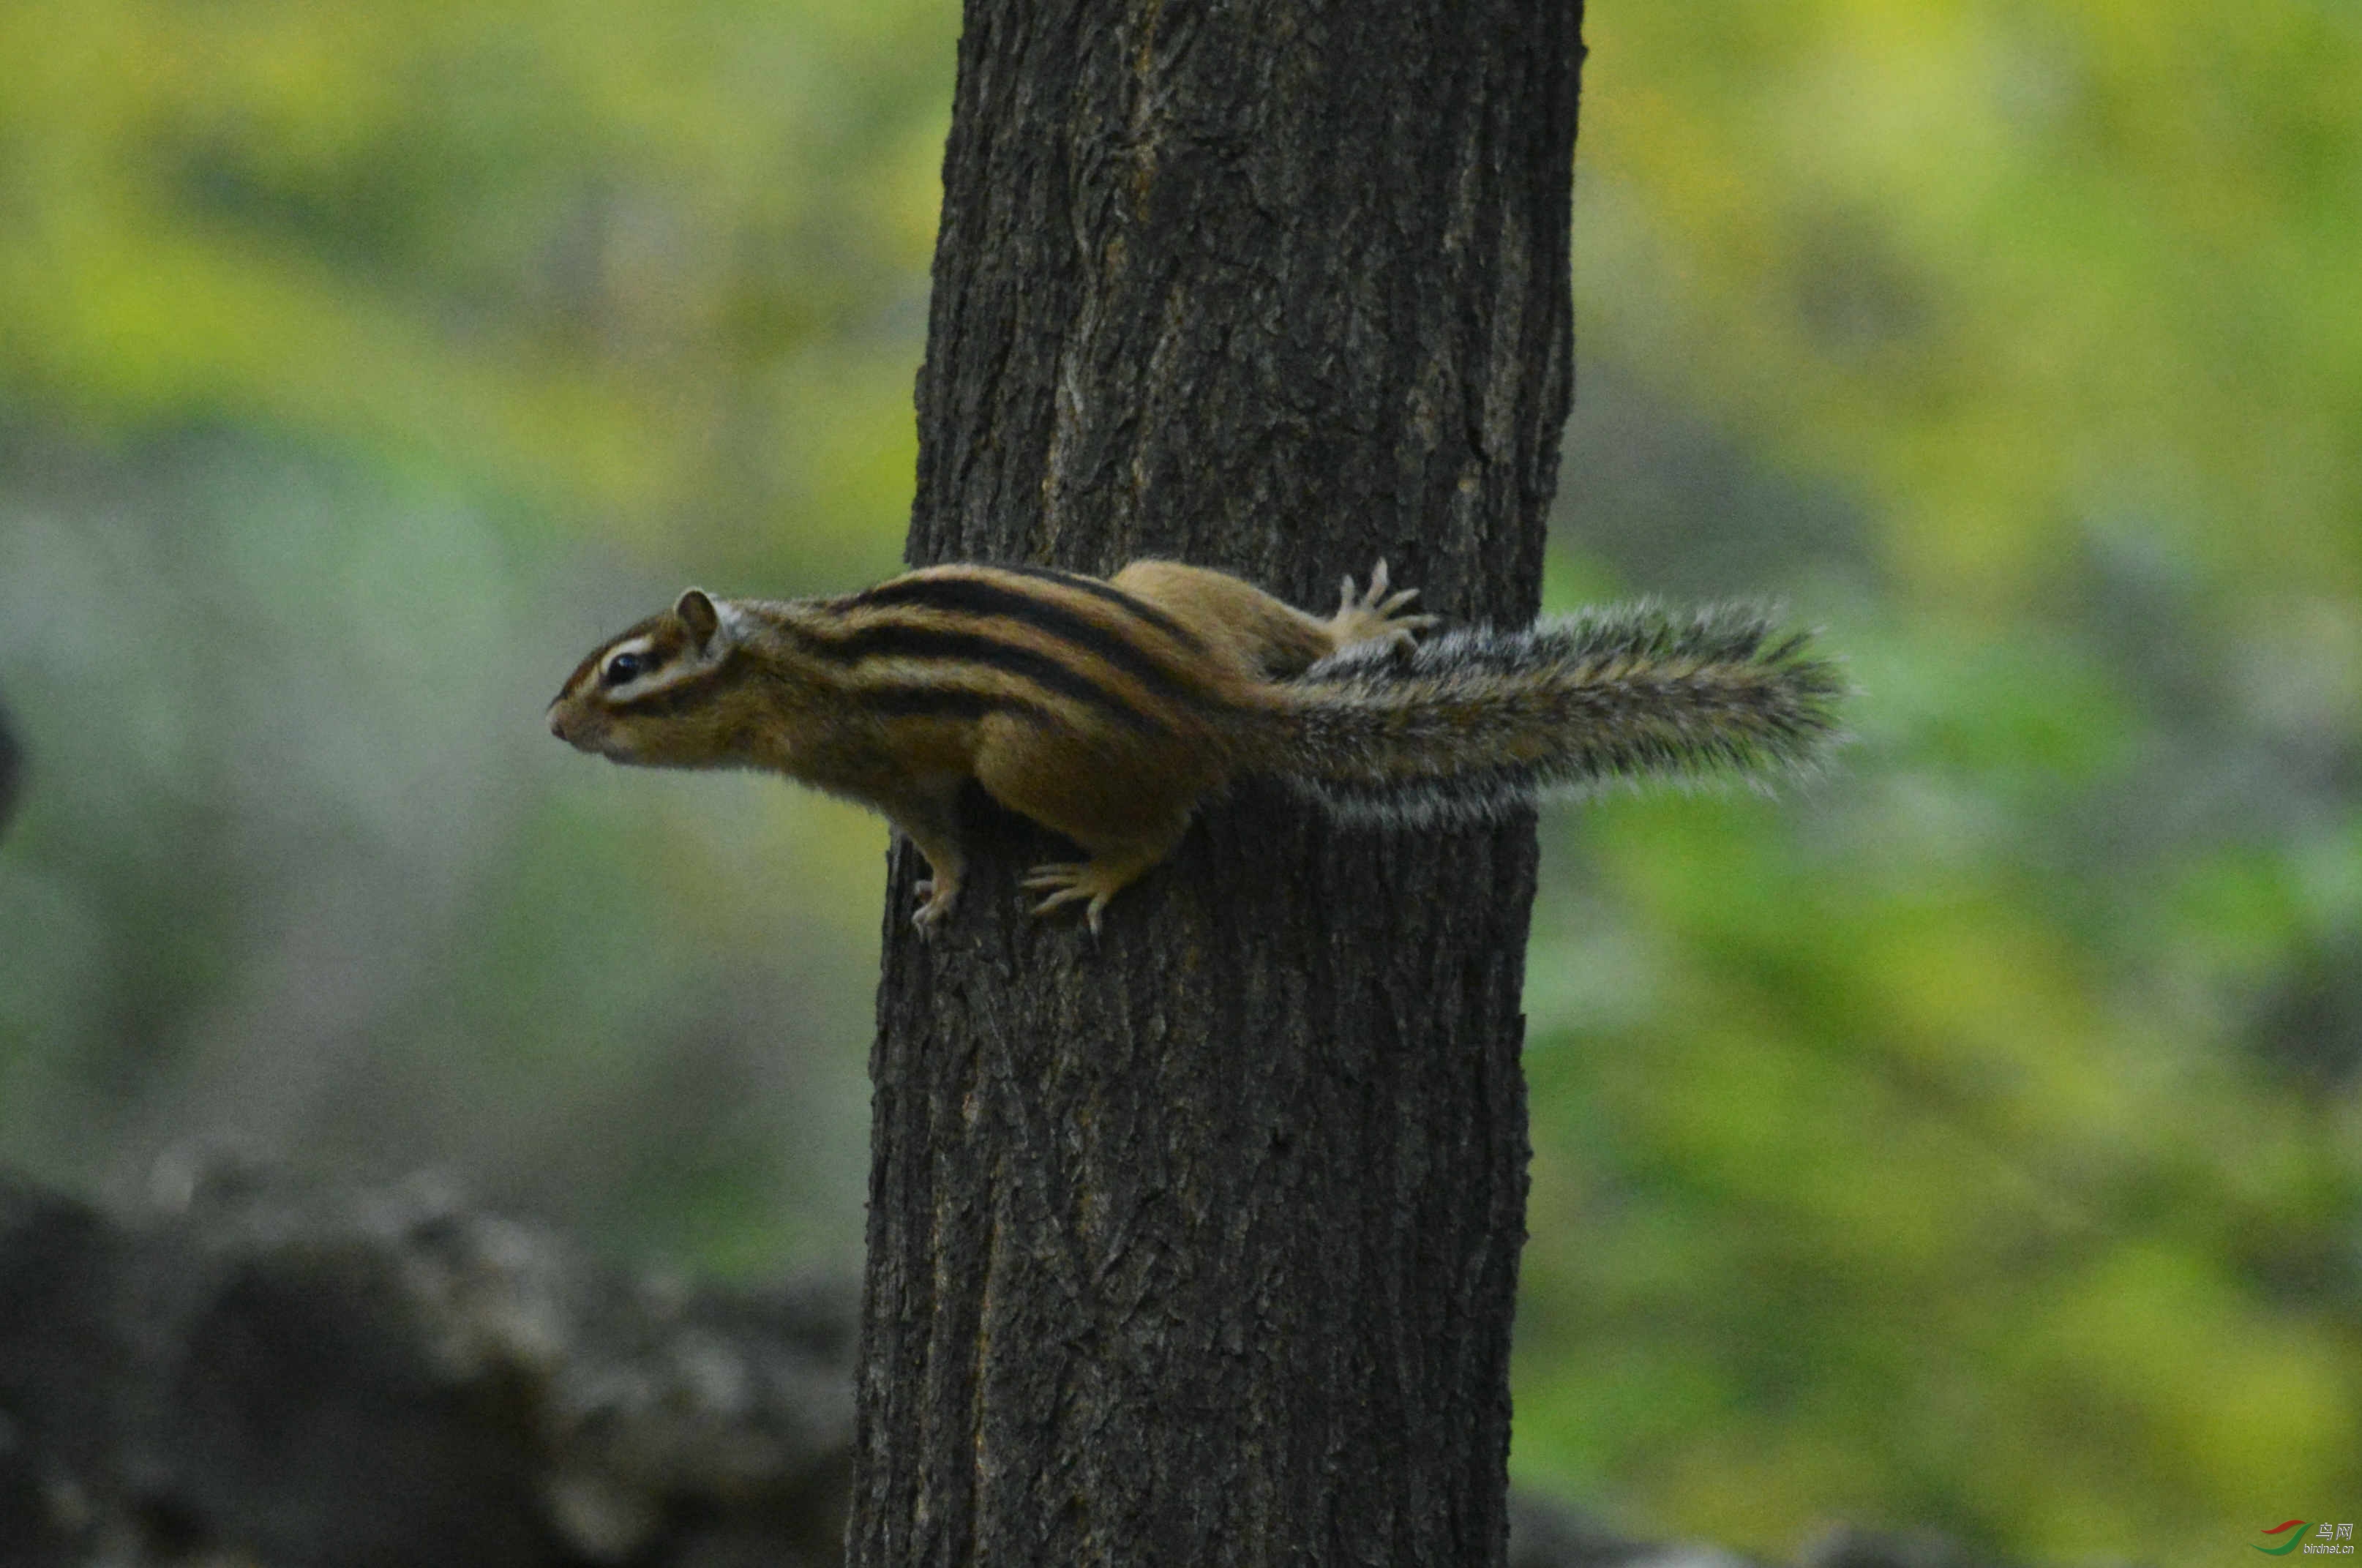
pixel 655 681
pixel 659 671
pixel 638 647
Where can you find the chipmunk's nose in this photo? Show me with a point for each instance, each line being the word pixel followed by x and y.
pixel 556 723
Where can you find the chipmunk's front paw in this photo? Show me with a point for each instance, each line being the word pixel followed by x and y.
pixel 1376 615
pixel 936 896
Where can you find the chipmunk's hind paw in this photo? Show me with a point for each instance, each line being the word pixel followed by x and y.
pixel 1073 881
pixel 1376 615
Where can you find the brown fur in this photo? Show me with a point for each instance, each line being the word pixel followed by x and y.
pixel 1108 710
pixel 1106 717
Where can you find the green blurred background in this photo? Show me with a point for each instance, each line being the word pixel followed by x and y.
pixel 1967 1141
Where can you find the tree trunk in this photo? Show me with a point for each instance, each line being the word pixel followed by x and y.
pixel 1197 1243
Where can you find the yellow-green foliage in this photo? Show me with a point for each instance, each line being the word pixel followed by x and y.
pixel 632 260
pixel 2006 266
pixel 1968 1139
pixel 1973 1141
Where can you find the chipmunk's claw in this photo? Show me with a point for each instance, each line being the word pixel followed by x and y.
pixel 1375 617
pixel 936 896
pixel 1069 882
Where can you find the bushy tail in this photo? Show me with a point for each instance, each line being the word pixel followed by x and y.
pixel 1474 722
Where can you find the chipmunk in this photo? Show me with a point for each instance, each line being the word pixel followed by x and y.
pixel 1107 709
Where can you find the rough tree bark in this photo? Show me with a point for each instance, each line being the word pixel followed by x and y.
pixel 1199 1243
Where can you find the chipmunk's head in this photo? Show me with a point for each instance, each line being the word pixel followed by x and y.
pixel 663 694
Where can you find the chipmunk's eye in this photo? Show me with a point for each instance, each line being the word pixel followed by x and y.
pixel 624 667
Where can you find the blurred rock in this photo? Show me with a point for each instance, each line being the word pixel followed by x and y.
pixel 1849 1548
pixel 1549 1535
pixel 392 1378
pixel 255 1374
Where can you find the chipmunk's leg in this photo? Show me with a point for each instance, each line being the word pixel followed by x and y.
pixel 1270 637
pixel 1115 864
pixel 1126 808
pixel 1375 617
pixel 927 814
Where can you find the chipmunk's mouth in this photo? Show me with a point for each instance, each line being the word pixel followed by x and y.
pixel 583 731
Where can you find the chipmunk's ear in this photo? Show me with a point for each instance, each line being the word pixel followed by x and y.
pixel 697 612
